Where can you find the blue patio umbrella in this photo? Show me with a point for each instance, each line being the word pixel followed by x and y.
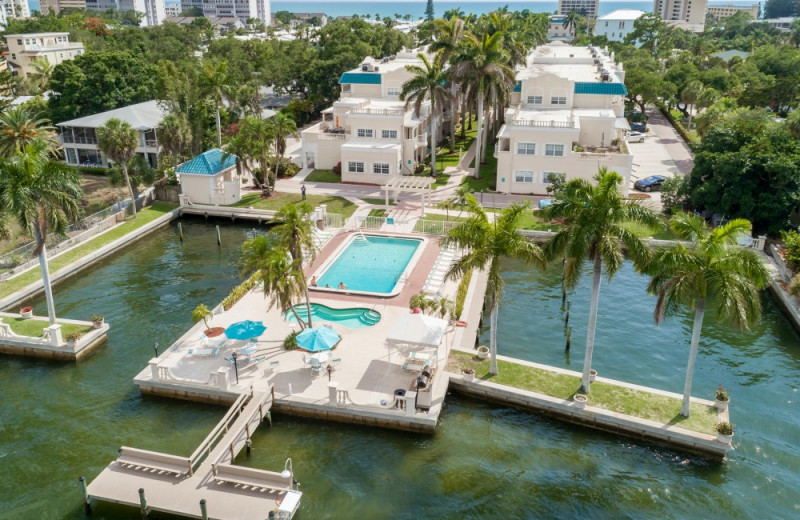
pixel 245 330
pixel 318 339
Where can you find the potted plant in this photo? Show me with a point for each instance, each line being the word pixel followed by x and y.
pixel 201 312
pixel 26 312
pixel 592 375
pixel 724 432
pixel 97 320
pixel 721 398
pixel 72 338
pixel 483 352
pixel 580 401
pixel 469 374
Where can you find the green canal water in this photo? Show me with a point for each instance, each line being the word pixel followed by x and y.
pixel 60 421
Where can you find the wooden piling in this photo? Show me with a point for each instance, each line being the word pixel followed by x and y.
pixel 566 318
pixel 568 339
pixel 143 503
pixel 203 510
pixel 180 230
pixel 87 506
pixel 219 238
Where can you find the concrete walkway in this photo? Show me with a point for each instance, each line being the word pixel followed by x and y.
pixel 676 147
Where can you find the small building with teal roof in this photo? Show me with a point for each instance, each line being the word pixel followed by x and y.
pixel 210 178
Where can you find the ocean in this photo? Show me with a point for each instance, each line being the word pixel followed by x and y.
pixel 416 8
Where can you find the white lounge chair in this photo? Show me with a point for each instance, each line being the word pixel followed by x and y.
pixel 202 352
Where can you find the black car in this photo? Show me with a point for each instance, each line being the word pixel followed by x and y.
pixel 652 183
pixel 638 127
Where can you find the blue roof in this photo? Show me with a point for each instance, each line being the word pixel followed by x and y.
pixel 608 89
pixel 210 162
pixel 361 78
pixel 518 87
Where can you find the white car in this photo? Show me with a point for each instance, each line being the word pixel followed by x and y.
pixel 636 137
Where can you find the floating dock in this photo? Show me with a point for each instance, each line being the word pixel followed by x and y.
pixel 205 484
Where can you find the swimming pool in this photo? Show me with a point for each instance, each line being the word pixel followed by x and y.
pixel 353 318
pixel 370 264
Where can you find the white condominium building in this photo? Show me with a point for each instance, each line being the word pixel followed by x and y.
pixel 616 25
pixel 558 30
pixel 15 9
pixel 587 8
pixel 153 10
pixel 723 11
pixel 55 6
pixel 566 116
pixel 685 14
pixel 242 9
pixel 369 130
pixel 24 49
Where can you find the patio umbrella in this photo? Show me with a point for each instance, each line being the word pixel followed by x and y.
pixel 245 330
pixel 318 339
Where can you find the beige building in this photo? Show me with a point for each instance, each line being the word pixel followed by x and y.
pixel 558 30
pixel 587 8
pixel 683 14
pixel 55 6
pixel 369 130
pixel 14 9
pixel 210 178
pixel 24 49
pixel 723 11
pixel 80 139
pixel 566 116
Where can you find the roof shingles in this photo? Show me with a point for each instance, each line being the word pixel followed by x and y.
pixel 209 162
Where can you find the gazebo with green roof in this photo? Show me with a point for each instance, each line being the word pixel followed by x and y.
pixel 210 178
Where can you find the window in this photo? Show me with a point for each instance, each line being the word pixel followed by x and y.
pixel 393 91
pixel 19 41
pixel 355 167
pixel 389 134
pixel 13 56
pixel 379 167
pixel 364 132
pixel 606 24
pixel 526 148
pixel 534 100
pixel 554 150
pixel 558 100
pixel 523 176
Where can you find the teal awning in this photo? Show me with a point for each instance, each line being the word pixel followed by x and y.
pixel 607 89
pixel 360 78
pixel 518 87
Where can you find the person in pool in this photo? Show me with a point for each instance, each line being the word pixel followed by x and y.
pixel 342 286
pixel 313 281
pixel 327 286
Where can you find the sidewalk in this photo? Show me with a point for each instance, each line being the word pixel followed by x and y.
pixel 676 147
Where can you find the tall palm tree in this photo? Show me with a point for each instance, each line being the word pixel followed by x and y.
pixel 690 94
pixel 255 139
pixel 486 244
pixel 42 195
pixel 43 70
pixel 20 126
pixel 281 280
pixel 571 21
pixel 428 83
pixel 480 61
pixel 595 231
pixel 118 140
pixel 449 34
pixel 293 232
pixel 282 126
pixel 217 84
pixel 712 269
pixel 175 135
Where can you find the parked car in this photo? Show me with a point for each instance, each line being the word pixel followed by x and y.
pixel 652 183
pixel 636 137
pixel 639 127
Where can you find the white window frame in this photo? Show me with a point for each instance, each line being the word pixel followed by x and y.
pixel 524 175
pixel 380 166
pixel 554 150
pixel 385 132
pixel 364 132
pixel 526 148
pixel 558 100
pixel 393 91
pixel 353 166
pixel 536 99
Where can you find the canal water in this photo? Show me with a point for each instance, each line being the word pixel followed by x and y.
pixel 59 421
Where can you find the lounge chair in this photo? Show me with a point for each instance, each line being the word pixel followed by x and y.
pixel 202 352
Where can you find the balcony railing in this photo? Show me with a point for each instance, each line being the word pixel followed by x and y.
pixel 332 137
pixel 542 124
pixel 377 111
pixel 422 138
pixel 151 143
pixel 79 140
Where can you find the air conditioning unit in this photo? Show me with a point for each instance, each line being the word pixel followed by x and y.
pixel 385 60
pixel 375 68
pixel 365 67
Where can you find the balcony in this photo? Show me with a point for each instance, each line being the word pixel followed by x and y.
pixel 542 124
pixel 79 139
pixel 377 112
pixel 422 139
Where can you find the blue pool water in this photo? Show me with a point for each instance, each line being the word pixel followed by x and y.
pixel 353 318
pixel 372 265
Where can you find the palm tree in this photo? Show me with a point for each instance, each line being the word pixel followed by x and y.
pixel 201 312
pixel 293 232
pixel 691 93
pixel 20 126
pixel 42 195
pixel 571 21
pixel 254 140
pixel 486 244
pixel 480 62
pixel 217 84
pixel 281 126
pixel 595 231
pixel 175 135
pixel 281 279
pixel 43 70
pixel 712 268
pixel 449 34
pixel 428 82
pixel 118 140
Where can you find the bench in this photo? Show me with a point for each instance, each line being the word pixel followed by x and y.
pixel 153 461
pixel 255 478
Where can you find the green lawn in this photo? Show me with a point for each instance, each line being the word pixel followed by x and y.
pixel 34 328
pixel 644 232
pixel 279 200
pixel 144 217
pixel 444 158
pixel 323 176
pixel 377 213
pixel 487 173
pixel 531 221
pixel 643 405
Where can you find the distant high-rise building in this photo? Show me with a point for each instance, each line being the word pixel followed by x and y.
pixel 55 6
pixel 173 9
pixel 153 10
pixel 242 9
pixel 587 8
pixel 688 14
pixel 723 11
pixel 15 9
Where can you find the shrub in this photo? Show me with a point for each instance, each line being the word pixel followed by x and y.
pixel 791 239
pixel 461 292
pixel 674 193
pixel 290 341
pixel 724 428
pixel 720 394
pixel 337 170
pixel 794 286
pixel 239 291
pixel 91 170
pixel 73 336
pixel 97 317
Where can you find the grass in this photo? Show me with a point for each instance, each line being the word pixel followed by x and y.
pixel 487 173
pixel 644 232
pixel 531 221
pixel 98 193
pixel 34 328
pixel 144 217
pixel 435 217
pixel 377 213
pixel 637 403
pixel 446 159
pixel 323 176
pixel 279 200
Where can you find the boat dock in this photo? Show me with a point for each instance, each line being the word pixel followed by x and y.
pixel 205 210
pixel 206 484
